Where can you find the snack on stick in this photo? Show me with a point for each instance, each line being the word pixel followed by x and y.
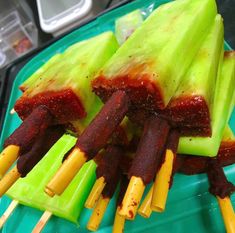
pixel 58 93
pixel 29 191
pixel 131 76
pixel 191 106
pixel 189 109
pixel 24 137
pixel 108 167
pixel 90 142
pixel 164 175
pixel 143 64
pixel 144 61
pixel 223 81
pixel 29 159
pixel 191 165
pixel 63 85
pixel 145 164
pixel 222 107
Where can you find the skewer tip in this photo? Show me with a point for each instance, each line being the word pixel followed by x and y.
pixel 145 208
pixel 13 111
pixel 8 212
pixel 42 222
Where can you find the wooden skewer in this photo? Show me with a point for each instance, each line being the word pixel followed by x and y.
pixel 95 193
pixel 8 180
pixel 13 111
pixel 42 222
pixel 98 214
pixel 66 173
pixel 119 222
pixel 7 158
pixel 227 212
pixel 145 208
pixel 132 198
pixel 8 212
pixel 162 182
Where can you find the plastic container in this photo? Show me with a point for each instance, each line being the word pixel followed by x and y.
pixel 55 15
pixel 190 208
pixel 16 39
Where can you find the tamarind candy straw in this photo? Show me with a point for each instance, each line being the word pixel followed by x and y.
pixel 221 188
pixel 8 180
pixel 98 213
pixel 132 198
pixel 71 166
pixel 93 138
pixel 42 222
pixel 95 193
pixel 106 172
pixel 13 111
pixel 8 212
pixel 108 166
pixel 7 158
pixel 27 161
pixel 23 138
pixel 227 212
pixel 119 222
pixel 145 164
pixel 164 175
pixel 145 208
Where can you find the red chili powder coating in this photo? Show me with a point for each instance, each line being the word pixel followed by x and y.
pixel 190 114
pixel 142 92
pixel 229 53
pixel 108 163
pixel 191 165
pixel 31 128
pixel 100 130
pixel 108 167
pixel 219 185
pixel 123 187
pixel 64 105
pixel 41 146
pixel 150 149
pixel 226 154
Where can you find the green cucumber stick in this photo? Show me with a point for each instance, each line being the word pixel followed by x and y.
pixel 222 105
pixel 30 190
pixel 74 69
pixel 164 46
pixel 200 79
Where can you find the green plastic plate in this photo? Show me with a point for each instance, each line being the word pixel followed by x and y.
pixel 190 208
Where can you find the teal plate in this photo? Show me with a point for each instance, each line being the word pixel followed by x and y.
pixel 190 208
